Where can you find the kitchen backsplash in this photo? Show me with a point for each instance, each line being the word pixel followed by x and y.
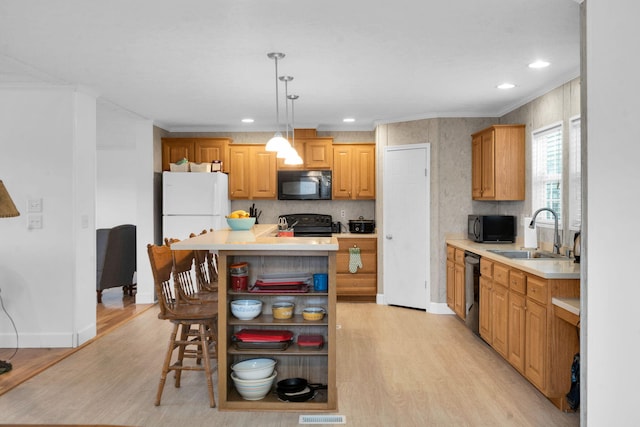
pixel 271 209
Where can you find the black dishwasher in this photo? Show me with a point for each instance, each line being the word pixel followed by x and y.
pixel 472 291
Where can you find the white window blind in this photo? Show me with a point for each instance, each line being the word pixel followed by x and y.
pixel 546 172
pixel 575 181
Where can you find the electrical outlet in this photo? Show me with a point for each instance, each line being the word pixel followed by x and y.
pixel 342 213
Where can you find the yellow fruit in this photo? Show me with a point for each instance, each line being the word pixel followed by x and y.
pixel 234 215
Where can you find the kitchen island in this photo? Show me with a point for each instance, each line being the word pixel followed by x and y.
pixel 268 255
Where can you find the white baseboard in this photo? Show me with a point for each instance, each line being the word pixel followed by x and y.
pixel 433 307
pixel 86 334
pixel 145 298
pixel 47 340
pixel 439 308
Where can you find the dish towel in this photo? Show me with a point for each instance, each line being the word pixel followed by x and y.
pixel 355 261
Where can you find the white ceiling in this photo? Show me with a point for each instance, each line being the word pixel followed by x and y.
pixel 202 64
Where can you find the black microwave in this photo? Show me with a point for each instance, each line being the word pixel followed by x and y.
pixel 492 228
pixel 304 185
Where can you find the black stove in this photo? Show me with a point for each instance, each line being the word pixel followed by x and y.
pixel 309 224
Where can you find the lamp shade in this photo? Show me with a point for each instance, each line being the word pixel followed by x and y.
pixel 292 157
pixel 277 143
pixel 7 208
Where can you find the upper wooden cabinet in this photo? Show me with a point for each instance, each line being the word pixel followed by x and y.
pixel 198 150
pixel 498 163
pixel 252 172
pixel 316 153
pixel 354 171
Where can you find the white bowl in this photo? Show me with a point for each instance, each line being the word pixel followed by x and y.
pixel 246 309
pixel 254 369
pixel 253 389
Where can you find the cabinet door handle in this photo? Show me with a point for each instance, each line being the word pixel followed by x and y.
pixel 389 236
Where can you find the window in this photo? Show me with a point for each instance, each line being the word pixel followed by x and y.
pixel 546 173
pixel 575 182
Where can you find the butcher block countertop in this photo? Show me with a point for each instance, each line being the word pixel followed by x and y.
pixel 555 268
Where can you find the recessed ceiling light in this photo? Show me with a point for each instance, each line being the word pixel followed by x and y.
pixel 506 86
pixel 247 120
pixel 539 64
pixel 349 120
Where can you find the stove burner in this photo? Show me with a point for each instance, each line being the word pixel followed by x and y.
pixel 309 224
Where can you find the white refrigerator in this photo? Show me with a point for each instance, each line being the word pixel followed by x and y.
pixel 194 201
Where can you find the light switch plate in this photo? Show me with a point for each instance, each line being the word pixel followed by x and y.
pixel 34 205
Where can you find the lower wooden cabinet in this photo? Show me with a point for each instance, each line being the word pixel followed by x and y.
pixel 499 313
pixel 450 284
pixel 455 281
pixel 363 284
pixel 536 344
pixel 485 328
pixel 517 331
pixel 516 320
pixel 494 305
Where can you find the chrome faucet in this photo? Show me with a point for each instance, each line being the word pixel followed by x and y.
pixel 556 242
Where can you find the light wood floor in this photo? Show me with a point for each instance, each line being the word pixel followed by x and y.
pixel 115 310
pixel 395 367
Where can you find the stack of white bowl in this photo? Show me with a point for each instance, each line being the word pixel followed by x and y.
pixel 246 309
pixel 254 378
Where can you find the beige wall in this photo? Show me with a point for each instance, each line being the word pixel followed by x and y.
pixel 559 105
pixel 450 140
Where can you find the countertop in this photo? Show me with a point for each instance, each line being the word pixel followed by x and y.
pixel 260 237
pixel 563 268
pixel 572 305
pixel 356 235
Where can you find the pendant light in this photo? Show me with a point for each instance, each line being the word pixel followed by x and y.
pixel 286 151
pixel 277 143
pixel 293 158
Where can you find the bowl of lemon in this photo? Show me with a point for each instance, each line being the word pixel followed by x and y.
pixel 240 220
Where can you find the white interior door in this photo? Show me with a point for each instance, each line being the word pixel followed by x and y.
pixel 406 219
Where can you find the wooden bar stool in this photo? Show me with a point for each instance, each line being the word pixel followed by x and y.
pixel 183 317
pixel 185 278
pixel 206 269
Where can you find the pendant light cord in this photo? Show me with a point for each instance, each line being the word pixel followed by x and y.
pixel 275 58
pixel 293 127
pixel 6 366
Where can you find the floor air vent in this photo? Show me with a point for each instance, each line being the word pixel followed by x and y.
pixel 322 419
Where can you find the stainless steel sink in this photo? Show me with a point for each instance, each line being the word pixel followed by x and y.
pixel 525 254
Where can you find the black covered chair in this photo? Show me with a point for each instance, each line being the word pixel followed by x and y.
pixel 116 258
